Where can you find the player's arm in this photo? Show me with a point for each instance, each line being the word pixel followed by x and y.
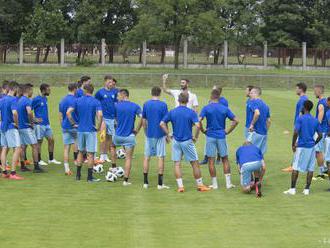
pixel 294 140
pixel 254 120
pixel 268 123
pixel 165 89
pixel 99 120
pixel 321 113
pixel 70 118
pixel 197 131
pixel 263 170
pixel 15 117
pixel 201 125
pixel 319 137
pixel 164 127
pixel 31 116
pixel 139 126
pixel 144 124
pixel 233 125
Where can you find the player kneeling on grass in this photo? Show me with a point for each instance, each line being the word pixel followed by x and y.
pixel 216 115
pixel 126 111
pixel 69 132
pixel 9 128
pixel 183 119
pixel 153 112
pixel 251 161
pixel 305 155
pixel 26 124
pixel 88 109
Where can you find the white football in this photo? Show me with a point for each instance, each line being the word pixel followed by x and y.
pixel 110 177
pixel 118 171
pixel 121 154
pixel 98 168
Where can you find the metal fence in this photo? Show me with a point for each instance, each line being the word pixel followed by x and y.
pixel 190 55
pixel 147 80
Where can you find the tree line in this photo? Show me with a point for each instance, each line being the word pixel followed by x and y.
pixel 281 23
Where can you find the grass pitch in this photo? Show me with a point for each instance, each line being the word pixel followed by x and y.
pixel 53 210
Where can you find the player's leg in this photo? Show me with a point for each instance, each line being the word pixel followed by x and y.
pixel 91 148
pixel 146 162
pixel 4 160
pixel 66 152
pixel 205 160
pixel 223 151
pixel 310 169
pixel 113 154
pixel 149 151
pixel 198 176
pixel 320 151
pixel 37 168
pixel 176 158
pixel 211 153
pixel 22 159
pixel 128 164
pixel 14 142
pixel 81 140
pixel 160 153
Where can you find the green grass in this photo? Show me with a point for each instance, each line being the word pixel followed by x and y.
pixel 53 210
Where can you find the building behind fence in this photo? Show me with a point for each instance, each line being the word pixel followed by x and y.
pixel 191 56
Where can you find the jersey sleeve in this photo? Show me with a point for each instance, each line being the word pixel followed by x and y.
pixel 98 106
pixel 35 103
pixel 167 117
pixel 194 117
pixel 254 106
pixel 297 125
pixel 13 105
pixel 98 95
pixel 138 111
pixel 144 112
pixel 230 115
pixel 202 114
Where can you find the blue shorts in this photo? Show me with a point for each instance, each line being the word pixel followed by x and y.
pixel 126 142
pixel 69 136
pixel 304 159
pixel 43 131
pixel 246 171
pixel 11 138
pixel 87 141
pixel 110 126
pixel 327 149
pixel 154 147
pixel 216 146
pixel 258 140
pixel 320 147
pixel 28 136
pixel 186 148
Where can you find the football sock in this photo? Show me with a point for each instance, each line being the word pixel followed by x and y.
pixel 66 167
pixel 214 182
pixel 39 156
pixel 228 180
pixel 51 155
pixel 22 164
pixel 13 172
pixel 78 170
pixel 199 181
pixel 75 155
pixel 25 157
pixel 90 174
pixel 160 179
pixel 5 172
pixel 36 166
pixel 113 165
pixel 126 179
pixel 145 178
pixel 179 182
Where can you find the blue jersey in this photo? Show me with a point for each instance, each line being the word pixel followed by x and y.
pixel 79 93
pixel 154 111
pixel 7 105
pixel 67 102
pixel 247 154
pixel 223 101
pixel 261 125
pixel 306 126
pixel 23 117
pixel 216 115
pixel 182 119
pixel 300 106
pixel 86 108
pixel 40 108
pixel 249 113
pixel 327 115
pixel 323 124
pixel 126 112
pixel 107 98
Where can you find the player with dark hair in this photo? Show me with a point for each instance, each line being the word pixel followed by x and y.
pixel 303 145
pixel 69 132
pixel 183 119
pixel 42 128
pixel 153 112
pixel 83 80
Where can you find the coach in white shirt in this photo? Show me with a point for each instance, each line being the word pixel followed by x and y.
pixel 192 102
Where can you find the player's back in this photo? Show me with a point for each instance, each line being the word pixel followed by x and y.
pixel 126 112
pixel 323 124
pixel 261 124
pixel 86 108
pixel 154 111
pixel 224 101
pixel 306 126
pixel 7 105
pixel 248 153
pixel 23 119
pixel 67 102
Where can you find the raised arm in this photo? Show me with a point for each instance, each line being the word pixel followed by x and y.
pixel 165 89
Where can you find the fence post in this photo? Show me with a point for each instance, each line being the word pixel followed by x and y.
pixel 225 54
pixel 21 51
pixel 185 53
pixel 265 54
pixel 103 52
pixel 62 52
pixel 144 53
pixel 304 55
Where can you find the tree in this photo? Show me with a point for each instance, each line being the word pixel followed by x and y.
pixel 46 27
pixel 286 24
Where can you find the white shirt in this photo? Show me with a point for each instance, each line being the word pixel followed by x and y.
pixel 192 102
